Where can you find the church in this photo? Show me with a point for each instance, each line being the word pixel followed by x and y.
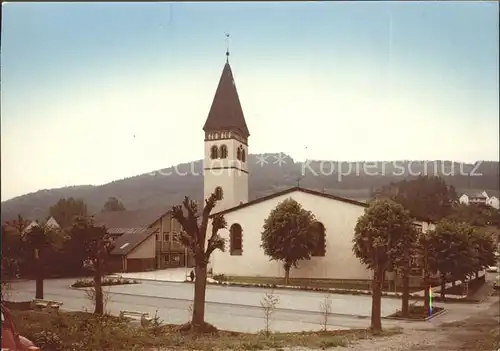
pixel 226 170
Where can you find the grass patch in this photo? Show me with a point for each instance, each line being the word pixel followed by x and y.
pixel 417 313
pixel 88 283
pixel 310 283
pixel 84 331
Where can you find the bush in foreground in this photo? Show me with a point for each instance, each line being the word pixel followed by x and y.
pixel 85 331
pixel 88 283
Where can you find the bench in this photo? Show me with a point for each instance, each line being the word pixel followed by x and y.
pixel 41 304
pixel 144 317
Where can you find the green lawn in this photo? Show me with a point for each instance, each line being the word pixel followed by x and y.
pixel 311 283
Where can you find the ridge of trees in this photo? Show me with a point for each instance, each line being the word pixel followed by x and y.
pixel 154 190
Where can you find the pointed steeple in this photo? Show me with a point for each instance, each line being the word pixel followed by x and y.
pixel 226 112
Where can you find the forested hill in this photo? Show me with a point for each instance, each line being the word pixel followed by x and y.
pixel 166 187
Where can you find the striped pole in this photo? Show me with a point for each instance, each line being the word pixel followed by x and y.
pixel 430 301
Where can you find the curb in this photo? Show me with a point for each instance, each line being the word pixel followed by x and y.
pixel 330 290
pixel 157 280
pixel 103 286
pixel 434 315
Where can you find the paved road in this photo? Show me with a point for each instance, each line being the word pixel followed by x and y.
pixel 295 300
pixel 230 308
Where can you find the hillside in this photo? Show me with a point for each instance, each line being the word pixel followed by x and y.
pixel 353 180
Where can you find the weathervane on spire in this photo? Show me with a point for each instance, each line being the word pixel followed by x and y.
pixel 227 47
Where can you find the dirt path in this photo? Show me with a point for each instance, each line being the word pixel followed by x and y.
pixel 478 331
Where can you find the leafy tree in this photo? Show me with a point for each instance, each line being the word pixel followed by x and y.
pixel 484 246
pixel 404 248
pixel 38 240
pixel 425 257
pixel 378 240
pixel 194 237
pixel 65 211
pixel 97 246
pixel 113 204
pixel 19 224
pixel 12 233
pixel 475 214
pixel 454 252
pixel 289 235
pixel 424 197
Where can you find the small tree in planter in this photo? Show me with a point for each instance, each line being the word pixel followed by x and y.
pixel 378 235
pixel 484 246
pixel 455 254
pixel 97 246
pixel 194 237
pixel 425 257
pixel 290 234
pixel 404 246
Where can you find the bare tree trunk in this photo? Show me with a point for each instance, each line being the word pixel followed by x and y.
pixel 38 276
pixel 287 267
pixel 427 286
pixel 99 299
pixel 39 289
pixel 443 286
pixel 405 301
pixel 378 281
pixel 200 284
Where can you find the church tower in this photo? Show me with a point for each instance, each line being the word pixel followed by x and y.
pixel 225 165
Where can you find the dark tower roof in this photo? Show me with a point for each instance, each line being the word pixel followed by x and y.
pixel 226 112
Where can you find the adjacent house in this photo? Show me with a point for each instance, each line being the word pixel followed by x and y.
pixel 51 222
pixel 144 240
pixel 494 202
pixel 479 198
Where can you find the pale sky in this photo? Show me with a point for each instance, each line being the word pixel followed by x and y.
pixel 95 92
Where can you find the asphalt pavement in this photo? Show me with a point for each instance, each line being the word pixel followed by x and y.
pixel 229 308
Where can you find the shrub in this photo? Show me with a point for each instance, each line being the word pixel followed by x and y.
pixel 47 340
pixel 88 283
pixel 220 277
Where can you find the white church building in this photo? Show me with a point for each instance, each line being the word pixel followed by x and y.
pixel 226 169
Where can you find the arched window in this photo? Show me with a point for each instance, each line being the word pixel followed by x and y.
pixel 243 155
pixel 223 151
pixel 214 152
pixel 218 193
pixel 238 153
pixel 318 230
pixel 236 240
